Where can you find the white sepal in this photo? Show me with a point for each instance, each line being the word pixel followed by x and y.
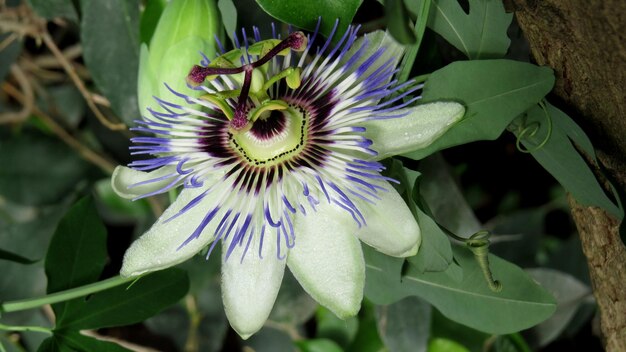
pixel 250 286
pixel 158 248
pixel 391 227
pixel 421 126
pixel 125 181
pixel 327 259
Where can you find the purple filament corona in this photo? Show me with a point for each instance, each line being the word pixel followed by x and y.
pixel 258 195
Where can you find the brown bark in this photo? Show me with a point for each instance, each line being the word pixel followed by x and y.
pixel 585 42
pixel 607 267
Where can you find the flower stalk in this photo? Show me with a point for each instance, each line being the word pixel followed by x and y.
pixel 62 296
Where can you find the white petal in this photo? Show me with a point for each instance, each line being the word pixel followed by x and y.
pixel 124 178
pixel 420 127
pixel 391 227
pixel 327 259
pixel 158 248
pixel 250 287
pixel 376 40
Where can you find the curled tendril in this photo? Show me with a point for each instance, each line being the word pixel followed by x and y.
pixel 478 243
pixel 530 130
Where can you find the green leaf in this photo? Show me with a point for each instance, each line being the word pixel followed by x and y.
pixel 481 34
pixel 435 253
pixel 439 190
pixel 43 170
pixel 124 305
pixel 445 345
pixel 269 340
pixel 330 327
pixel 54 344
pixel 405 325
pixel 521 303
pixel 66 103
pixel 318 345
pixel 510 343
pixel 305 14
pixel 494 92
pixel 149 19
pixel 26 231
pixel 518 235
pixel 366 339
pixel 562 160
pixel 174 322
pixel 79 342
pixel 16 258
pixel 118 210
pixel 113 64
pixel 446 329
pixel 50 9
pixel 76 254
pixel 29 239
pixel 570 294
pixel 398 22
pixel 293 305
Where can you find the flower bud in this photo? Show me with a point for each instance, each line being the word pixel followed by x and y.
pixel 185 30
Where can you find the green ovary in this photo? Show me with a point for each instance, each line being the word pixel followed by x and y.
pixel 270 146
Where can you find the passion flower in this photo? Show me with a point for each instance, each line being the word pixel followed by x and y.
pixel 279 164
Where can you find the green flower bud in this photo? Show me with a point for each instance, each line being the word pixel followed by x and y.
pixel 186 28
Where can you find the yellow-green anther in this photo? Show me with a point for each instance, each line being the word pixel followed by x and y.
pixel 293 79
pixel 186 27
pixel 258 81
pixel 291 74
pixel 219 102
pixel 267 105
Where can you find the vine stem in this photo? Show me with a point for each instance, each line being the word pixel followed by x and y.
pixel 411 54
pixel 62 296
pixel 26 328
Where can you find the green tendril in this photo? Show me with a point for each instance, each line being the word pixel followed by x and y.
pixel 528 131
pixel 478 243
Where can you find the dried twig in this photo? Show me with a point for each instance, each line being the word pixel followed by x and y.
pixel 79 83
pixel 49 61
pixel 28 101
pixel 88 154
pixel 100 100
pixel 8 40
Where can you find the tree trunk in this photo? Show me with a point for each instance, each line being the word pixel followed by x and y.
pixel 585 42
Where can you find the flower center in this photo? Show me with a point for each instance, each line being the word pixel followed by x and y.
pixel 272 138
